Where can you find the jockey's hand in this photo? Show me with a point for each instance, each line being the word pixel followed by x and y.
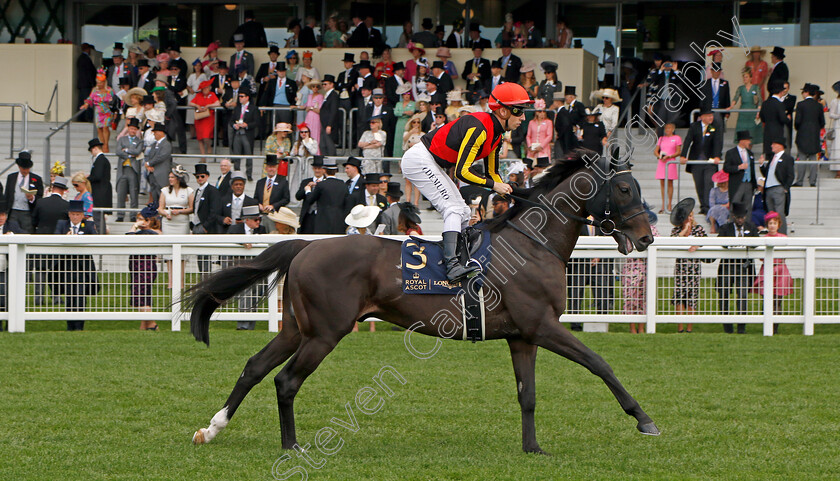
pixel 502 188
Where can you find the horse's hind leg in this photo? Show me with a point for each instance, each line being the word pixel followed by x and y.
pixel 258 366
pixel 554 337
pixel 524 358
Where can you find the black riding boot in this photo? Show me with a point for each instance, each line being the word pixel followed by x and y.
pixel 454 270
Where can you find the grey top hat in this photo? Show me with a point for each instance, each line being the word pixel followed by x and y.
pixel 237 175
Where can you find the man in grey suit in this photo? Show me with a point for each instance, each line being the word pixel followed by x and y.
pixel 390 216
pixel 129 149
pixel 159 162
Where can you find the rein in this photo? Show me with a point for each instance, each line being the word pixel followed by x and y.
pixel 547 247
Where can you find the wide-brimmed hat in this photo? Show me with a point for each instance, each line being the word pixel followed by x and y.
pixel 756 48
pixel 394 190
pixel 454 96
pixel 607 92
pixel 94 143
pixel 424 98
pixel 155 116
pixel 548 66
pixel 205 84
pixel 180 171
pixel 526 67
pixel 283 127
pixel 403 89
pixel 739 209
pixel 285 216
pixel 362 215
pixel 681 211
pixel 410 211
pixel 720 176
pixel 778 52
pixel 443 52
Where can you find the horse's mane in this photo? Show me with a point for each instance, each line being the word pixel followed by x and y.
pixel 559 171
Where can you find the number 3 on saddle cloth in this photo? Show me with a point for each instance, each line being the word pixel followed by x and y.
pixel 423 272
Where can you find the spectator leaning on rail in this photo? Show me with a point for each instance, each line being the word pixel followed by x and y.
pixel 75 274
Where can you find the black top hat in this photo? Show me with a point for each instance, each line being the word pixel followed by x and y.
pixel 740 209
pixel 175 66
pixel 410 211
pixel 249 14
pixel 148 99
pixel 60 182
pixel 363 64
pixel 244 68
pixel 125 81
pixel 427 23
pixel 474 27
pixel 354 162
pixel 271 159
pixel 349 57
pixel 394 190
pixel 201 169
pixel 775 86
pixel 77 206
pixel 440 29
pixel 440 111
pixel 371 178
pixel 496 64
pixel 399 66
pixel 778 52
pixel 94 143
pixel 433 80
pixel 778 140
pixel 543 162
pixel 506 44
pixel 706 109
pixel 570 90
pixel 317 161
pixel 222 65
pixel 24 159
pixel 133 122
pixel 529 162
pixel 280 66
pixel 274 49
pixel 385 174
pixel 743 135
pixel 438 64
pixel 142 63
pixel 118 46
pixel 328 78
pixel 549 66
pixel 681 211
pixel 159 127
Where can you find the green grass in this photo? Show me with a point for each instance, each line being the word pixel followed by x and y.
pixel 111 403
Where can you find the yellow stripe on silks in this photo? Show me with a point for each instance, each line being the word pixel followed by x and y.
pixel 493 166
pixel 464 171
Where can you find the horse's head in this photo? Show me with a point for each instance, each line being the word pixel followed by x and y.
pixel 617 206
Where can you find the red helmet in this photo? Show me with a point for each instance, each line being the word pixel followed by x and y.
pixel 507 94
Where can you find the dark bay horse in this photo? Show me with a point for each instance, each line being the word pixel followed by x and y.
pixel 532 243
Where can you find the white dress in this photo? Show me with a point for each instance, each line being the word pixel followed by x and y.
pixel 180 224
pixel 834 145
pixel 193 82
pixel 609 116
pixel 369 165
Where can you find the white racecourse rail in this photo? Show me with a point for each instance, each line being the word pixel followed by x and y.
pixel 619 290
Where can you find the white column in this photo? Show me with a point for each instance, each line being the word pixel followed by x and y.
pixel 16 287
pixel 273 297
pixel 809 306
pixel 768 291
pixel 175 276
pixel 650 290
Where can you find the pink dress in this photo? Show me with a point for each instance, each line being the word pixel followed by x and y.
pixel 313 119
pixel 782 280
pixel 669 145
pixel 539 133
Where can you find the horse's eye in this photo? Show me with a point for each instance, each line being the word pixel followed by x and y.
pixel 623 189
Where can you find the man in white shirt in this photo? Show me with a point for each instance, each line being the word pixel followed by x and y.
pixel 779 175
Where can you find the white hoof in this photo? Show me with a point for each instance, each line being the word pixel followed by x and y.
pixel 199 438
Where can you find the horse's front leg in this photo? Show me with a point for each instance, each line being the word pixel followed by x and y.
pixel 553 336
pixel 524 358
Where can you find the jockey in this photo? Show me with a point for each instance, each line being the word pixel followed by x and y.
pixel 460 143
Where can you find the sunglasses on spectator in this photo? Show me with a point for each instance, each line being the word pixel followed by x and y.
pixel 243 96
pixel 304 131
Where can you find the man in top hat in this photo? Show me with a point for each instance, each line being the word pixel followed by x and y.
pixel 353 169
pixel 272 191
pixel 233 202
pixel 455 38
pixel 510 63
pixel 221 80
pixel 434 92
pixel 365 79
pixel 369 196
pixel 476 40
pixel 52 209
pixel 736 274
pixel 158 162
pixel 567 119
pixel 477 74
pixel 779 69
pixel 251 223
pixel 280 92
pixel 130 149
pixel 266 72
pixel 241 56
pixel 716 94
pixel 242 130
pixel 119 70
pixel 739 163
pixel 390 216
pixel 100 178
pixel 346 79
pixel 330 120
pixel 703 141
pixel 379 109
pixel 175 59
pixel 252 31
pixel 496 77
pixel 23 189
pixel 425 36
pixel 809 121
pixel 206 205
pixel 395 81
pixel 774 115
pixel 779 174
pixel 145 78
pixel 329 195
pixel 307 216
pixel 75 276
pixel 445 84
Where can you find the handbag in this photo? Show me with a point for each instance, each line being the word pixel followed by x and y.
pixel 201 115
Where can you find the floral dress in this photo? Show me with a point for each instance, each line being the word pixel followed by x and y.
pixel 279 148
pixel 687 274
pixel 87 203
pixel 101 100
pixel 634 282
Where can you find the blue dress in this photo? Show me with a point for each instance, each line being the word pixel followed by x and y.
pixel 718 213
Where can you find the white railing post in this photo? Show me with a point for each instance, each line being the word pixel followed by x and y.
pixel 768 290
pixel 16 287
pixel 175 274
pixel 809 305
pixel 650 291
pixel 273 298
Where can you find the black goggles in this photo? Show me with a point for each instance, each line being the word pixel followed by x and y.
pixel 515 110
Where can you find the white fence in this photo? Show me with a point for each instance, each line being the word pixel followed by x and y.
pixel 47 276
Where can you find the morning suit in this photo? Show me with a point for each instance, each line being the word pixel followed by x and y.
pixel 329 118
pixel 773 114
pixel 702 143
pixel 278 195
pixel 226 210
pixel 159 158
pixel 128 170
pixel 330 194
pixel 244 57
pixel 309 209
pixel 23 216
pixel 75 275
pixel 480 66
pixel 737 274
pixel 777 197
pixel 741 190
pixel 809 121
pixel 242 139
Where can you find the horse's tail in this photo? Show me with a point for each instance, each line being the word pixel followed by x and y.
pixel 206 296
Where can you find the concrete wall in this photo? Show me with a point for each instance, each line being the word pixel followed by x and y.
pixel 30 74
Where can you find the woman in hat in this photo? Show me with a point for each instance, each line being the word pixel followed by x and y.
pixel 285 221
pixel 506 33
pixel 454 102
pixel 408 220
pixel 305 145
pixel 194 87
pixel 82 185
pixel 686 271
pixel 385 67
pixel 403 111
pixel 372 144
pixel 749 94
pixel 203 104
pixel 716 57
pixel 134 108
pixel 332 36
pixel 313 109
pixel 668 148
pixel 634 280
pixel 100 99
pixel 417 51
pixel 279 143
pixel 360 218
pixel 718 201
pixel 833 151
pixel 302 96
pixel 549 84
pixel 445 56
pixel 143 267
pixel 540 133
pixel 528 80
pixel 418 81
pixel 782 280
pixel 758 70
pixel 292 64
pixel 57 170
pixel 175 203
pixel 608 110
